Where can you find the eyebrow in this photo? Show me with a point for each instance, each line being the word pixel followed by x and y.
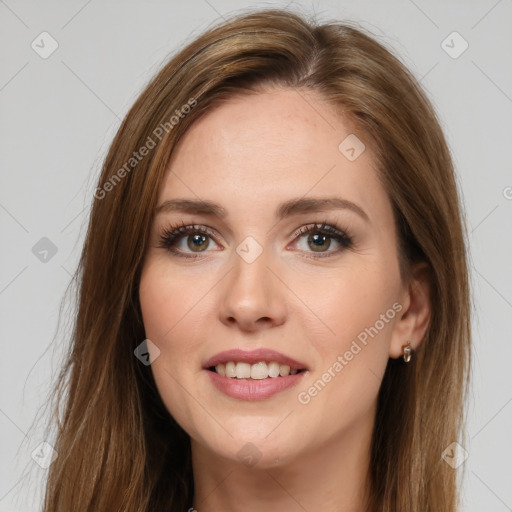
pixel 284 210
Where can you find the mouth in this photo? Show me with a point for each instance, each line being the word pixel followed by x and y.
pixel 258 371
pixel 253 375
pixel 256 364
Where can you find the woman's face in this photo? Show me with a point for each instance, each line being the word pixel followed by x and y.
pixel 250 276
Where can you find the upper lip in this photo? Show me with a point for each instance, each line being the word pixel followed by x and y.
pixel 253 357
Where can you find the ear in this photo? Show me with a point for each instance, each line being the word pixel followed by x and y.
pixel 414 318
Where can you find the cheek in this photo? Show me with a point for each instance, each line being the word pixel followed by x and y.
pixel 166 309
pixel 351 332
pixel 169 307
pixel 169 301
pixel 343 304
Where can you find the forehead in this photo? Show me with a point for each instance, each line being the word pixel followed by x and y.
pixel 260 148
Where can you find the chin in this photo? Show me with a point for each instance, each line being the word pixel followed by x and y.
pixel 259 452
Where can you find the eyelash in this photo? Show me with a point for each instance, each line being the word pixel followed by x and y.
pixel 174 233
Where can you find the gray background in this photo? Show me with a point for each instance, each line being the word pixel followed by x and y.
pixel 59 114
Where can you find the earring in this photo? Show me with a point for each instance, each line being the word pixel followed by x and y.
pixel 407 352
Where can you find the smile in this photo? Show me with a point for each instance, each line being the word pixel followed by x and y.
pixel 258 371
pixel 253 374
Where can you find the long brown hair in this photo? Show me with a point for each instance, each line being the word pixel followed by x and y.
pixel 119 449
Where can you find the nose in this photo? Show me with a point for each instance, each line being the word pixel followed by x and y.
pixel 253 298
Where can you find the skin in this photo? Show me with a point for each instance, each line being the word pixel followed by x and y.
pixel 249 155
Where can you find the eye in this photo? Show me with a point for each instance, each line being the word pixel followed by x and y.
pixel 190 241
pixel 318 239
pixel 185 240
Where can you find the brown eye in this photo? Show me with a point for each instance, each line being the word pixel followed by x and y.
pixel 319 242
pixel 320 238
pixel 197 242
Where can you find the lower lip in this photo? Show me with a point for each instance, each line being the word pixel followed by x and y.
pixel 253 389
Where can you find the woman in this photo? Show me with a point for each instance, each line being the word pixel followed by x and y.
pixel 277 230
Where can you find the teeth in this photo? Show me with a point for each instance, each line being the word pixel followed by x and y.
pixel 273 369
pixel 221 369
pixel 284 370
pixel 258 371
pixel 230 369
pixel 243 370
